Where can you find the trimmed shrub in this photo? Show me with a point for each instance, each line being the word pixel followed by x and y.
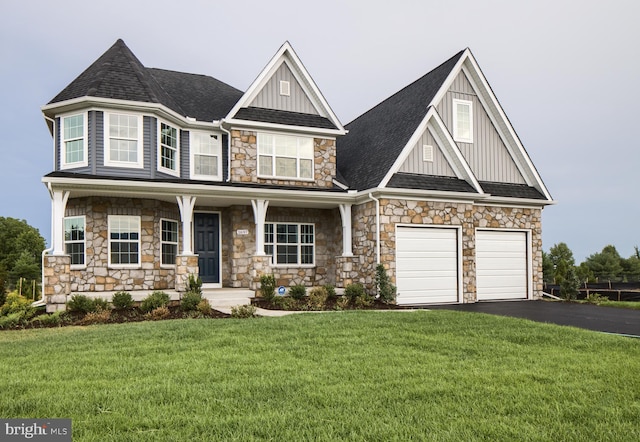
pixel 331 291
pixel 190 301
pixel 11 320
pixel 158 313
pixel 122 301
pixel 50 320
pixel 243 311
pixel 204 307
pixel 16 303
pixel 298 291
pixel 317 298
pixel 100 304
pixel 80 304
pixel 194 284
pixel 268 287
pixel 155 300
pixel 284 303
pixel 386 290
pixel 352 291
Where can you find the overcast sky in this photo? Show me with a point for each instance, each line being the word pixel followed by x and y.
pixel 565 72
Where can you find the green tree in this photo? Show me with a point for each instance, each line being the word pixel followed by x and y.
pixel 17 238
pixel 606 264
pixel 561 259
pixel 569 285
pixel 547 268
pixel 631 268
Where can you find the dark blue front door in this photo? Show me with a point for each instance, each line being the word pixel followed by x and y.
pixel 207 245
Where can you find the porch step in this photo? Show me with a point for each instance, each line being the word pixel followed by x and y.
pixel 228 297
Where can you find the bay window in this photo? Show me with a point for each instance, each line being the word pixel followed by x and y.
pixel 73 141
pixel 123 140
pixel 168 154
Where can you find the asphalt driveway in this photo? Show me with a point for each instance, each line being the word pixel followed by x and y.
pixel 591 317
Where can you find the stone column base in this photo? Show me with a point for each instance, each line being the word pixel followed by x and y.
pixel 57 281
pixel 260 265
pixel 185 265
pixel 347 270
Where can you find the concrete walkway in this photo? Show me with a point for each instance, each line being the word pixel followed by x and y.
pixel 591 317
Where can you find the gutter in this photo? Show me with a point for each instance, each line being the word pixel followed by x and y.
pixel 228 148
pixel 377 227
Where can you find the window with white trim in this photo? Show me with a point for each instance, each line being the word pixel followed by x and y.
pixel 168 149
pixel 285 156
pixel 168 242
pixel 462 121
pixel 290 244
pixel 73 141
pixel 124 241
pixel 206 155
pixel 123 140
pixel 74 241
pixel 285 88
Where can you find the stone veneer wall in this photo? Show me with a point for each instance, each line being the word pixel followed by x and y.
pixel 98 276
pixel 364 245
pixel 244 161
pixel 468 216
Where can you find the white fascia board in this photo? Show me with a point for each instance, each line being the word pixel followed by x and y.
pixel 526 203
pixel 98 103
pixel 450 78
pixel 502 124
pixel 145 188
pixel 327 133
pixel 418 194
pixel 287 55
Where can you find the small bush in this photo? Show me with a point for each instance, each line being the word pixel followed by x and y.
pixel 243 311
pixel 11 320
pixel 158 313
pixel 16 303
pixel 99 305
pixel 342 303
pixel 298 291
pixel 317 298
pixel 190 301
pixel 284 303
pixel 268 287
pixel 80 304
pixel 363 301
pixel 100 316
pixel 122 301
pixel 331 291
pixel 194 284
pixel 51 320
pixel 154 300
pixel 352 291
pixel 596 298
pixel 204 307
pixel 386 290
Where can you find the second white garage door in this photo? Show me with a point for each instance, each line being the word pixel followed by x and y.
pixel 426 265
pixel 501 265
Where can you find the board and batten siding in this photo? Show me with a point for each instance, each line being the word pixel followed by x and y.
pixel 184 154
pixel 416 164
pixel 487 156
pixel 297 101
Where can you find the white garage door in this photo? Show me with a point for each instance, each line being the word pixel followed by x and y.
pixel 426 265
pixel 501 265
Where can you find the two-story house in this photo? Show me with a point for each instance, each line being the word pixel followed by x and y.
pixel 161 174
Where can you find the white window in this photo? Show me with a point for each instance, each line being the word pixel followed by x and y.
pixel 285 88
pixel 290 244
pixel 168 150
pixel 74 240
pixel 285 156
pixel 462 121
pixel 427 152
pixel 123 140
pixel 168 242
pixel 73 141
pixel 124 241
pixel 206 155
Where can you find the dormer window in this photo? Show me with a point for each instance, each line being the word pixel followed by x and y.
pixel 123 140
pixel 285 156
pixel 73 141
pixel 168 158
pixel 462 121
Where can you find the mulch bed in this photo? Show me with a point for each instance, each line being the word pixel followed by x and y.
pixel 330 305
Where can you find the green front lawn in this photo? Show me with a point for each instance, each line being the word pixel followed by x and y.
pixel 425 375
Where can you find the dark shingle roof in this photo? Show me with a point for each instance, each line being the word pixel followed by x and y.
pixel 118 74
pixel 512 190
pixel 429 182
pixel 377 137
pixel 283 117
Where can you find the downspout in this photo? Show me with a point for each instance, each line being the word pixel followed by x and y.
pixel 228 149
pixel 43 301
pixel 377 228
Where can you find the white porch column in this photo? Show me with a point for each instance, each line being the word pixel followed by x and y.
pixel 186 205
pixel 58 205
pixel 259 215
pixel 345 214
